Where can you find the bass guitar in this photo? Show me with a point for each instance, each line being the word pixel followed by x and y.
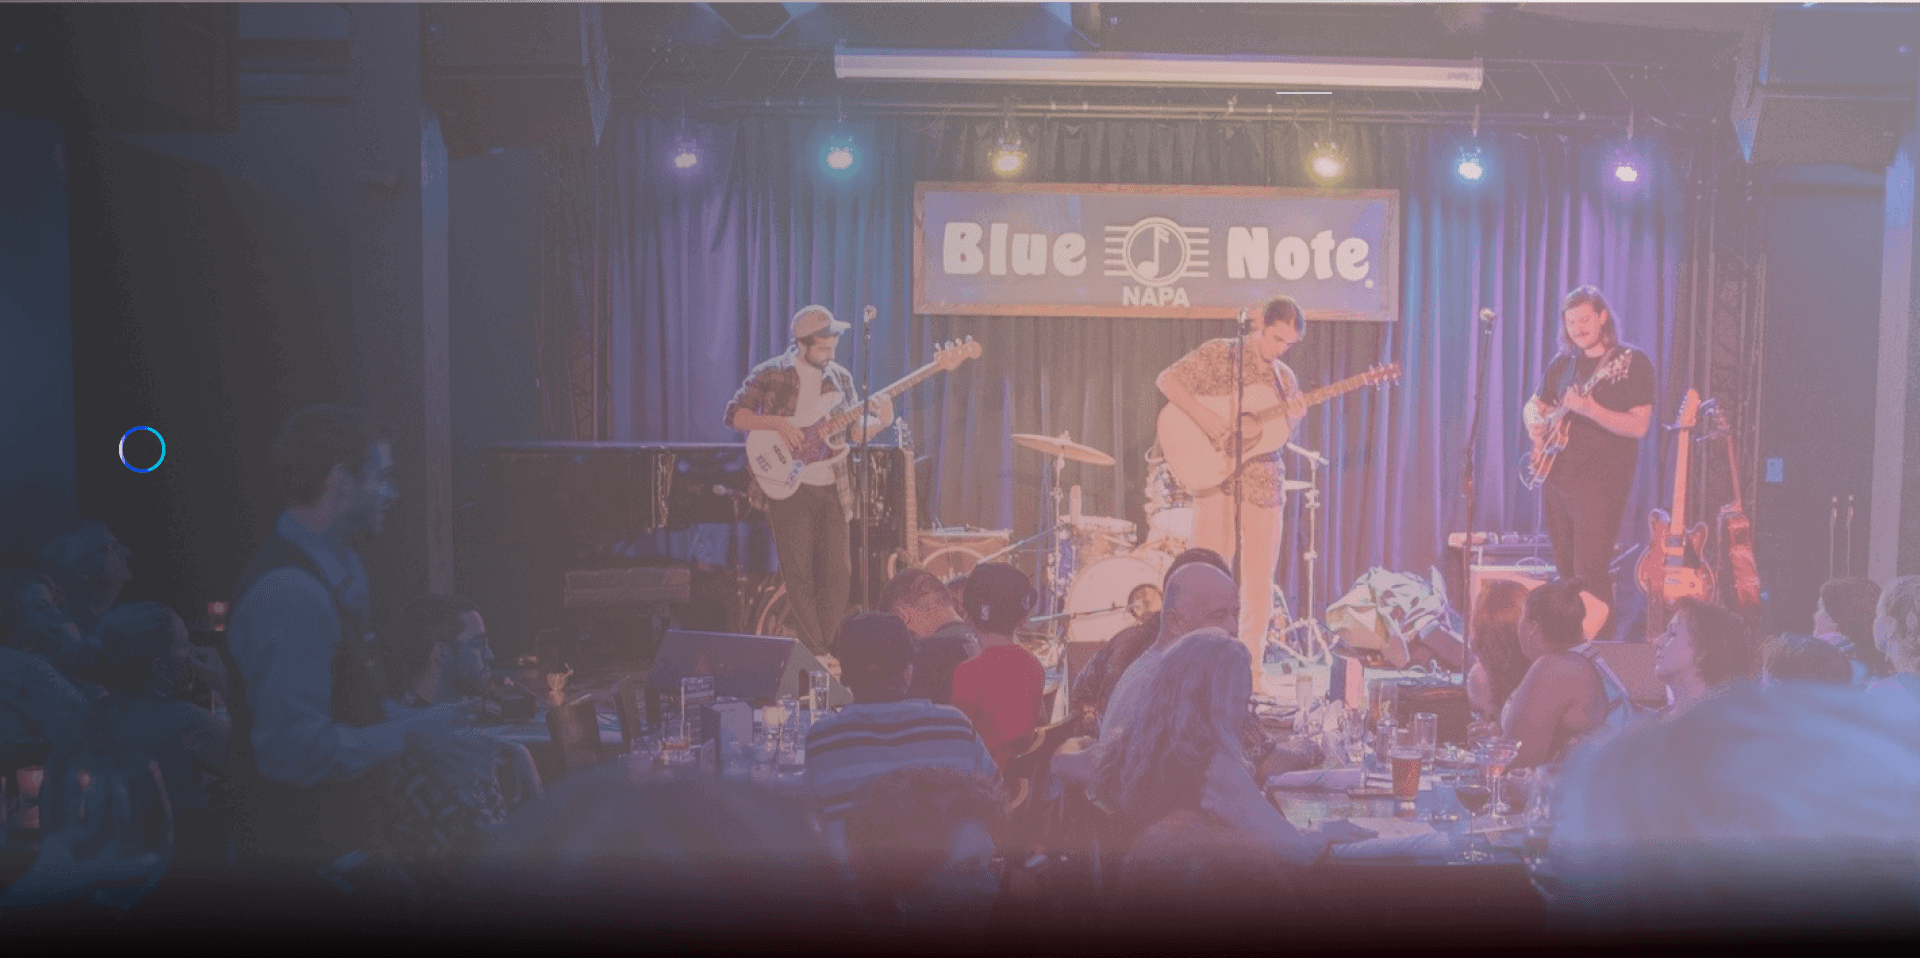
pixel 1736 530
pixel 1559 424
pixel 1266 423
pixel 1673 567
pixel 779 468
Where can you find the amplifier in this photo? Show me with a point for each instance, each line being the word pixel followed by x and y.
pixel 636 585
pixel 1504 548
pixel 1530 575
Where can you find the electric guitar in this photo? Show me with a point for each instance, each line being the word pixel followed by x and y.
pixel 1266 423
pixel 1673 567
pixel 1736 530
pixel 779 468
pixel 1559 424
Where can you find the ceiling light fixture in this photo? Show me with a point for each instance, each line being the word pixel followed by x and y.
pixel 1156 69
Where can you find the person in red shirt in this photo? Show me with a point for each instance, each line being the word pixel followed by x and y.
pixel 1000 689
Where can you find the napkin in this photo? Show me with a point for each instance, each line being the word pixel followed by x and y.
pixel 1325 779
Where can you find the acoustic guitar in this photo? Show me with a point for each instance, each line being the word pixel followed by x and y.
pixel 1736 530
pixel 1674 566
pixel 1266 423
pixel 779 468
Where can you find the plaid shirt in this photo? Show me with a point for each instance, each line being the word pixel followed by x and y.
pixel 773 389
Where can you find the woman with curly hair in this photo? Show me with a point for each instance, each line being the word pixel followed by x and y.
pixel 1844 619
pixel 1498 662
pixel 1704 649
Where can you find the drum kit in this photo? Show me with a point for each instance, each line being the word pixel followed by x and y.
pixel 1096 576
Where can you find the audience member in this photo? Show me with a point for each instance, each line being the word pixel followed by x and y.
pixel 1843 617
pixel 1002 690
pixel 669 863
pixel 1704 649
pixel 31 619
pixel 1788 657
pixel 40 711
pixel 1190 876
pixel 884 729
pixel 1762 811
pixel 1093 688
pixel 921 600
pixel 1498 662
pixel 445 795
pixel 143 659
pixel 920 843
pixel 307 712
pixel 1896 633
pixel 90 567
pixel 1199 596
pixel 1568 692
pixel 1181 751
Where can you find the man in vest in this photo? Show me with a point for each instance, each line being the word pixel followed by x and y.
pixel 306 696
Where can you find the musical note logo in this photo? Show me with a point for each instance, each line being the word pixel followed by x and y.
pixel 1156 251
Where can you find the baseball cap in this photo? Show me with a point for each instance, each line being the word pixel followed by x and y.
pixel 816 319
pixel 874 647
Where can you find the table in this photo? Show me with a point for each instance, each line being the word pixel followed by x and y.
pixel 1424 894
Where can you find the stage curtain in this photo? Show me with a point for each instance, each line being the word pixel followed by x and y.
pixel 708 266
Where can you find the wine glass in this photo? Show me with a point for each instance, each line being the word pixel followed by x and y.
pixel 1473 795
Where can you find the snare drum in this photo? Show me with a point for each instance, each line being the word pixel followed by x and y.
pixel 1114 593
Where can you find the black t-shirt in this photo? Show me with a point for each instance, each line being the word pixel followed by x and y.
pixel 1593 453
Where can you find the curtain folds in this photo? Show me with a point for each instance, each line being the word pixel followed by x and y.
pixel 706 268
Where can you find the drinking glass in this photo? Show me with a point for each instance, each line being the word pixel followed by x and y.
pixel 1404 760
pixel 1302 692
pixel 762 753
pixel 1473 795
pixel 1516 787
pixel 1426 733
pixel 818 702
pixel 1495 756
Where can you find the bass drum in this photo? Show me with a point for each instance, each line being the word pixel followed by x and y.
pixel 1114 593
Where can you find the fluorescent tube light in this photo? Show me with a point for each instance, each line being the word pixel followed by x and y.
pixel 1155 69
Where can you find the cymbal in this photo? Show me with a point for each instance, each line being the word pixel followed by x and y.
pixel 1063 447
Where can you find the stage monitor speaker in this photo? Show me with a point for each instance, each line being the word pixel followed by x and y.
pixel 757 668
pixel 1825 85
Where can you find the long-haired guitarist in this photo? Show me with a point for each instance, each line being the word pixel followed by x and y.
pixel 1208 371
pixel 1602 392
pixel 810 526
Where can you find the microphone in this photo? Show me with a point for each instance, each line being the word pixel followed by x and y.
pixel 866 315
pixel 1244 325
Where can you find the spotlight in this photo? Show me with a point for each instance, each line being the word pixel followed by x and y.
pixel 840 154
pixel 685 156
pixel 1471 166
pixel 1625 172
pixel 1009 156
pixel 1327 164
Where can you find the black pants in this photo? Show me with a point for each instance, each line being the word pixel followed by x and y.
pixel 1583 520
pixel 810 537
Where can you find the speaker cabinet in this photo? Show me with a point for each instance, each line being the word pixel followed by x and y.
pixel 1825 85
pixel 512 74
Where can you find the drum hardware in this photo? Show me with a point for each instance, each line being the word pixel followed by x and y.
pixel 1311 554
pixel 1053 560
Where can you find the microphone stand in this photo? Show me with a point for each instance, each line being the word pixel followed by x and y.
pixel 1487 318
pixel 1240 330
pixel 866 453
